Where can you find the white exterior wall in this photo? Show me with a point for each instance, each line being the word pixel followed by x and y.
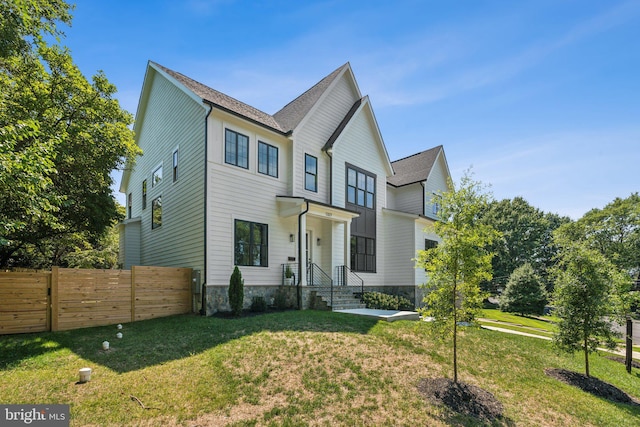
pixel 423 230
pixel 400 240
pixel 436 184
pixel 409 199
pixel 244 194
pixel 170 120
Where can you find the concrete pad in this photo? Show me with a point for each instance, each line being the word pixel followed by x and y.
pixel 388 315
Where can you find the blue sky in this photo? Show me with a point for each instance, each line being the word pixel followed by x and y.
pixel 541 99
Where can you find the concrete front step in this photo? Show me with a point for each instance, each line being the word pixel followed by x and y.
pixel 344 298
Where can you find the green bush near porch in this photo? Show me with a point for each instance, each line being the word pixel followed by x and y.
pixel 380 301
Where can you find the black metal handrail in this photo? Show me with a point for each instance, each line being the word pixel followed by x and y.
pixel 346 277
pixel 293 268
pixel 318 278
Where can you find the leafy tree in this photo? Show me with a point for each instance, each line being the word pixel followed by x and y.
pixel 459 263
pixel 587 297
pixel 236 292
pixel 525 292
pixel 526 237
pixel 60 136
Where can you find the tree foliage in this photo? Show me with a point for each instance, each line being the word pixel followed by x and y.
pixel 588 296
pixel 526 237
pixel 60 136
pixel 236 292
pixel 457 266
pixel 525 293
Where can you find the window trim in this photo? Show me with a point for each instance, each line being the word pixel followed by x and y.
pixel 155 182
pixel 154 225
pixel 314 174
pixel 268 148
pixel 264 244
pixel 175 160
pixel 226 160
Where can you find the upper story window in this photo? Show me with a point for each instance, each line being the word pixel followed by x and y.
pixel 236 149
pixel 156 176
pixel 129 203
pixel 436 204
pixel 430 244
pixel 267 159
pixel 361 188
pixel 251 243
pixel 310 173
pixel 144 194
pixel 175 165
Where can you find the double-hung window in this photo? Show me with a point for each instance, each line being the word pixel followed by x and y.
pixel 267 159
pixel 236 149
pixel 251 243
pixel 310 173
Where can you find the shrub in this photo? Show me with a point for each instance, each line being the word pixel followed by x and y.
pixel 236 292
pixel 280 299
pixel 525 293
pixel 258 304
pixel 380 301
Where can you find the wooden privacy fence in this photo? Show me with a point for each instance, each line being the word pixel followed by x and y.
pixel 67 298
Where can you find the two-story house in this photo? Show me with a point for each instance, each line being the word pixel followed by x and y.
pixel 221 183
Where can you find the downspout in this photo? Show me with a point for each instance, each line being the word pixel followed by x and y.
pixel 300 254
pixel 329 153
pixel 203 308
pixel 424 199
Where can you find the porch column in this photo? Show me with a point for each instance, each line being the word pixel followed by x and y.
pixel 347 243
pixel 302 252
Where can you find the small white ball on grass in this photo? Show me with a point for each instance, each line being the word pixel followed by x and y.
pixel 119 335
pixel 105 345
pixel 119 326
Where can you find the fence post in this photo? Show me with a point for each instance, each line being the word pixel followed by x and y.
pixel 55 303
pixel 629 343
pixel 133 293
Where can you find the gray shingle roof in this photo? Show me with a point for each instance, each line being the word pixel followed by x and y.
pixel 415 168
pixel 292 114
pixel 225 102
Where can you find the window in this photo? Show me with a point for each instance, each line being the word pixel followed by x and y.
pixel 251 244
pixel 144 194
pixel 175 165
pixel 363 254
pixel 267 159
pixel 236 149
pixel 436 204
pixel 430 244
pixel 129 202
pixel 156 212
pixel 156 177
pixel 361 188
pixel 310 173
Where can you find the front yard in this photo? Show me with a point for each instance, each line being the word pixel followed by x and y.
pixel 295 368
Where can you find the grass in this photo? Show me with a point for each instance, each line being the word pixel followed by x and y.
pixel 296 368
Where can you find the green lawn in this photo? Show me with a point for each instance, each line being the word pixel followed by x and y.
pixel 296 368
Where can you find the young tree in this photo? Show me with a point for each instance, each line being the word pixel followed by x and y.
pixel 236 292
pixel 525 293
pixel 587 299
pixel 459 263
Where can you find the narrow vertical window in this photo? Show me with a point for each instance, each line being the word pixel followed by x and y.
pixel 156 213
pixel 175 165
pixel 156 177
pixel 436 202
pixel 267 159
pixel 310 173
pixel 129 203
pixel 144 194
pixel 236 149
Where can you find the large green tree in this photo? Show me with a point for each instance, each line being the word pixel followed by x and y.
pixel 526 237
pixel 60 136
pixel 588 297
pixel 457 266
pixel 524 293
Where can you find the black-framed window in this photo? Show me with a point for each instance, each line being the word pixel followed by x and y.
pixel 310 173
pixel 144 194
pixel 156 176
pixel 430 244
pixel 251 243
pixel 267 159
pixel 436 204
pixel 236 149
pixel 129 203
pixel 156 212
pixel 361 188
pixel 363 254
pixel 175 165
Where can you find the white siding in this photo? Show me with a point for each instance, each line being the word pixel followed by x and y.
pixel 400 240
pixel 171 119
pixel 409 198
pixel 244 194
pixel 422 231
pixel 436 184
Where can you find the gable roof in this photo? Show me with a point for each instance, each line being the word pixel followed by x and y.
pixel 415 168
pixel 292 114
pixel 224 102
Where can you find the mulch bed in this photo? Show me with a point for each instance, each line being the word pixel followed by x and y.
pixel 462 398
pixel 622 360
pixel 592 385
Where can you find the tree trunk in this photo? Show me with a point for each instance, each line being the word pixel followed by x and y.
pixel 586 357
pixel 455 337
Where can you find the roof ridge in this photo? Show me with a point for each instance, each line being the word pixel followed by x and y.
pixel 417 154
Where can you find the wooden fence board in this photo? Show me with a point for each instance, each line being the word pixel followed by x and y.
pixel 24 302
